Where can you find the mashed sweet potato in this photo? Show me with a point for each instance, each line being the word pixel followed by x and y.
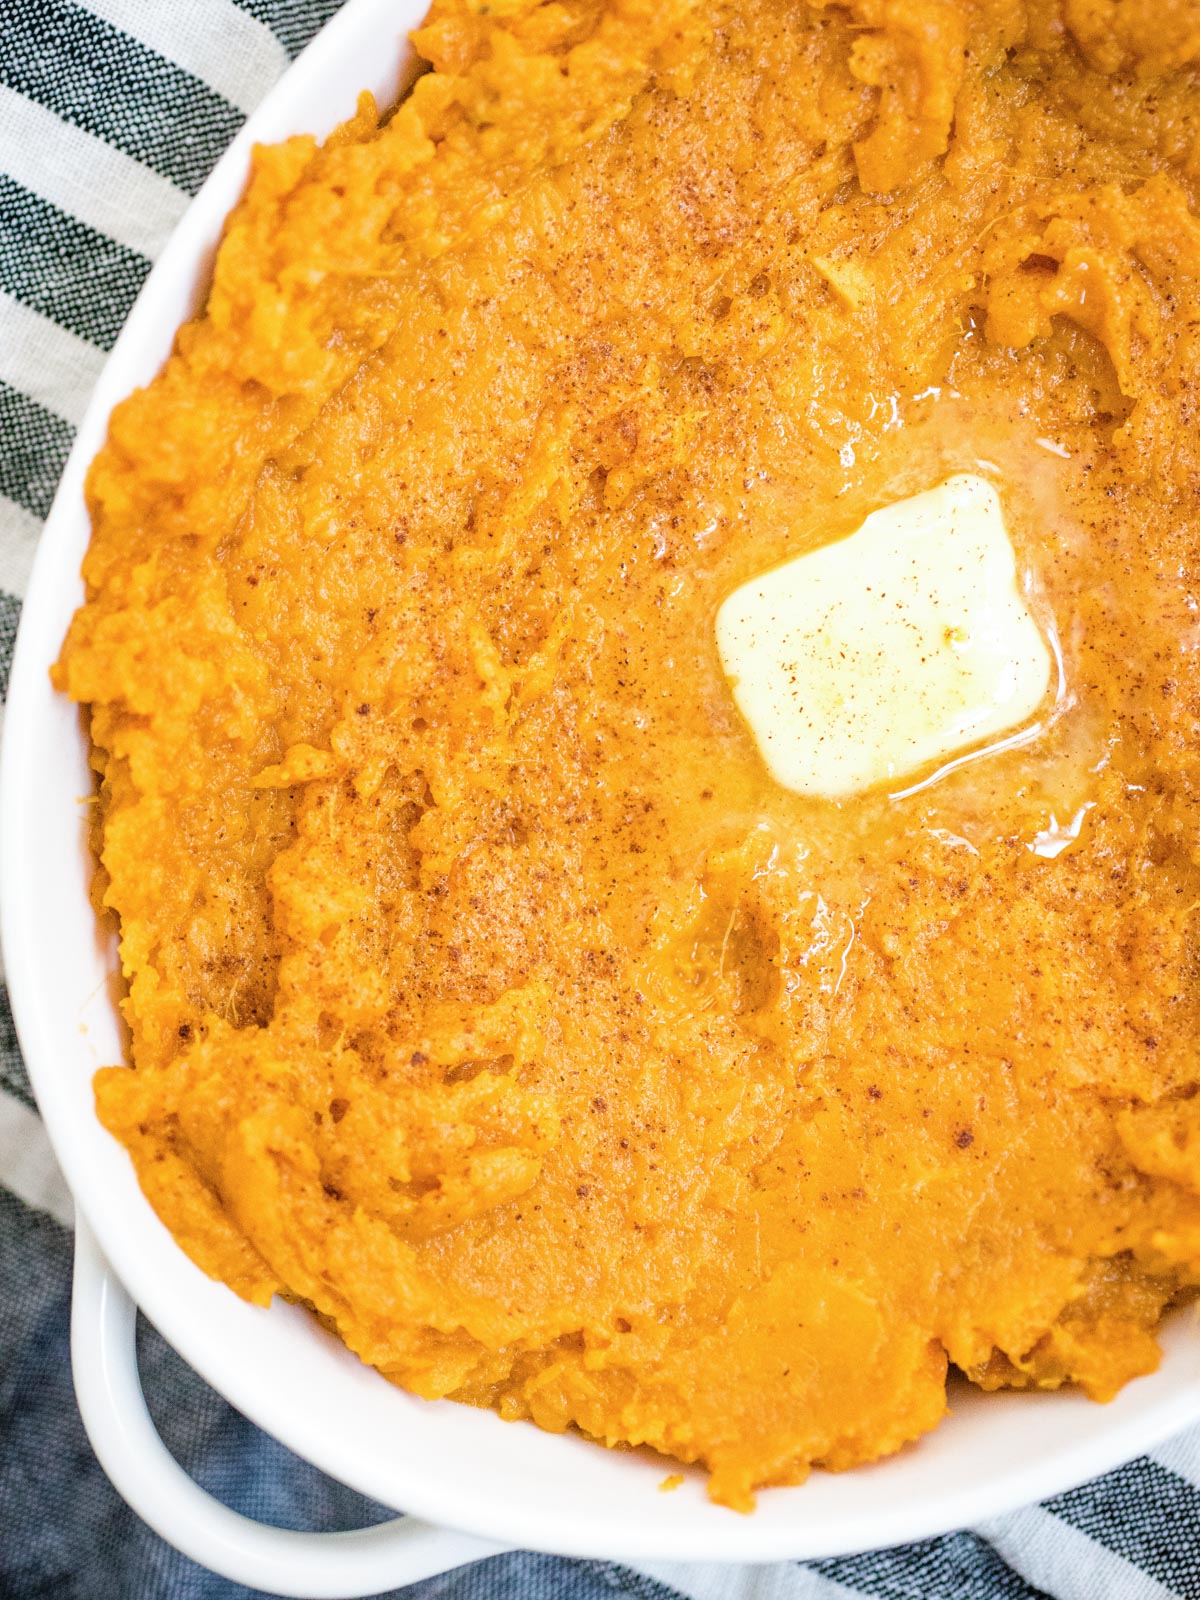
pixel 485 994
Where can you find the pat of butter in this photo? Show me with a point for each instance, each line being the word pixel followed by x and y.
pixel 890 650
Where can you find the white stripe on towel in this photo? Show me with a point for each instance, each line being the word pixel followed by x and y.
pixel 28 1164
pixel 1059 1559
pixel 1181 1454
pixel 87 178
pixel 20 531
pixel 219 43
pixel 47 362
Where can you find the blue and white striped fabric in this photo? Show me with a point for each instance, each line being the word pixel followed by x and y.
pixel 111 114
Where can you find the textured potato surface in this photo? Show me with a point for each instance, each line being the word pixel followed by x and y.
pixel 484 992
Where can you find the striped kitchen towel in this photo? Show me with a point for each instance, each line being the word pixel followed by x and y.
pixel 111 114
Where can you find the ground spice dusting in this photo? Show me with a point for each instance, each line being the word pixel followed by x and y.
pixel 484 992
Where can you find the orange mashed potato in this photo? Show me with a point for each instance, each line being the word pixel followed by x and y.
pixel 484 992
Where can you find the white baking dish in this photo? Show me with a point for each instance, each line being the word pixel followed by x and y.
pixel 493 1483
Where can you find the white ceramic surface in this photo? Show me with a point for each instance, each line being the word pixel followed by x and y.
pixel 454 1466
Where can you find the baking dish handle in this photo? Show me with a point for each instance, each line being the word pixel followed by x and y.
pixel 311 1566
